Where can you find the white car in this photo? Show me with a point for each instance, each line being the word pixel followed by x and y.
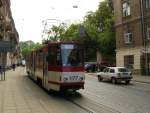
pixel 115 74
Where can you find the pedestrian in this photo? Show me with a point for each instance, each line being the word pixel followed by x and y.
pixel 23 62
pixel 0 69
pixel 13 66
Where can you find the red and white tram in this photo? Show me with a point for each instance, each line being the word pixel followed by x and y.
pixel 57 66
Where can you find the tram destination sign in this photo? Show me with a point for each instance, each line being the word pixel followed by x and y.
pixel 6 46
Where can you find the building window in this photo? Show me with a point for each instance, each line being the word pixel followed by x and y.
pixel 147 3
pixel 1 3
pixel 128 36
pixel 148 32
pixel 129 61
pixel 126 9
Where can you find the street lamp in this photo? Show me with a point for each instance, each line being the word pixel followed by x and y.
pixel 75 6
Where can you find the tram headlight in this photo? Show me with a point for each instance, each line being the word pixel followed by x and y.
pixel 81 78
pixel 65 78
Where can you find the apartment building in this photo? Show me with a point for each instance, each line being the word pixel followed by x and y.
pixel 132 26
pixel 8 32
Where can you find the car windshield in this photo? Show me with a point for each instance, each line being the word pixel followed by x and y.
pixel 123 70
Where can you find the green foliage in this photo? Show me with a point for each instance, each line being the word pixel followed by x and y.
pixel 98 26
pixel 72 32
pixel 56 33
pixel 36 46
pixel 28 46
pixel 25 52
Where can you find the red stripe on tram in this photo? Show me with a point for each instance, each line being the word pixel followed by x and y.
pixel 65 69
pixel 66 83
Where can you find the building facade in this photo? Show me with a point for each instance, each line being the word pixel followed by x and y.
pixel 132 26
pixel 8 32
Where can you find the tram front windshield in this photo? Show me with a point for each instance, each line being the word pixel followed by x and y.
pixel 72 55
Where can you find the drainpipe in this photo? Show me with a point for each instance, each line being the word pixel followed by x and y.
pixel 144 36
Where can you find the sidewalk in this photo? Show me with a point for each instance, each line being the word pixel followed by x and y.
pixel 141 78
pixel 18 94
pixel 137 78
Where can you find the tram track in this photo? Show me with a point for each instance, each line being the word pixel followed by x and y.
pixel 89 105
pixel 67 97
pixel 64 96
pixel 75 97
pixel 81 106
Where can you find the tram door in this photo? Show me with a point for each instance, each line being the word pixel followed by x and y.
pixel 45 69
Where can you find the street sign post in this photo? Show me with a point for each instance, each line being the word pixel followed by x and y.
pixel 5 46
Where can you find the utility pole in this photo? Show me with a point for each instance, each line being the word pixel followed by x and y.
pixel 4 54
pixel 144 38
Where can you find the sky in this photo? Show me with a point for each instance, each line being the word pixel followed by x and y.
pixel 29 14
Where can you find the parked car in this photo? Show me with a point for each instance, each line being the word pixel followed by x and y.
pixel 94 67
pixel 91 67
pixel 115 74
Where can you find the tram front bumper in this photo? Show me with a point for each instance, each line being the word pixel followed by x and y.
pixel 76 85
pixel 69 85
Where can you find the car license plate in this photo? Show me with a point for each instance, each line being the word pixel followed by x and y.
pixel 125 73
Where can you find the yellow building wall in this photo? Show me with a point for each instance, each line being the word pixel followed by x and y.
pixel 136 52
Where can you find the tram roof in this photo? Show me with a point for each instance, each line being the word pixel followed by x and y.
pixel 64 42
pixel 55 43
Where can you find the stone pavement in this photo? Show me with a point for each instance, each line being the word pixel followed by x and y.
pixel 18 94
pixel 141 78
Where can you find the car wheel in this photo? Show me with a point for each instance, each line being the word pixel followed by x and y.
pixel 113 80
pixel 100 78
pixel 127 82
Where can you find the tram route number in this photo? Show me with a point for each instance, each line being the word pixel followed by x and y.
pixel 73 77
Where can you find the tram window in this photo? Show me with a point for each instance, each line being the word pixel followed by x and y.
pixel 54 57
pixel 58 61
pixel 72 56
pixel 39 59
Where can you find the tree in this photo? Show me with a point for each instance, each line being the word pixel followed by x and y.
pixel 56 32
pixel 72 32
pixel 99 34
pixel 28 46
pixel 99 26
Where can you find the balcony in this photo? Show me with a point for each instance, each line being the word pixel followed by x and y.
pixel 13 37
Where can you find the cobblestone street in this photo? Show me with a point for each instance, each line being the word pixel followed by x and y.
pixel 19 94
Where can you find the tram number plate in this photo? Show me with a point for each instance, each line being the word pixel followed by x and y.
pixel 73 77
